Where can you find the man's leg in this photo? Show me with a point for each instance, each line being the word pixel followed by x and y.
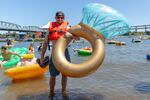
pixel 53 72
pixel 64 78
pixel 64 85
pixel 52 85
pixel 1 63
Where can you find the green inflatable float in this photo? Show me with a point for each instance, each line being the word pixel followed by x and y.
pixel 83 52
pixel 14 59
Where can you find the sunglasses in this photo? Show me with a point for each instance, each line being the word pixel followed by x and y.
pixel 60 17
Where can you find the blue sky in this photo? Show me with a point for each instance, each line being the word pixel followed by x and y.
pixel 39 12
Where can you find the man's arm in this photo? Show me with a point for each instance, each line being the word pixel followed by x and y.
pixel 44 47
pixel 14 53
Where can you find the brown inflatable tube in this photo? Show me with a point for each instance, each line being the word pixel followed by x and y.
pixel 87 67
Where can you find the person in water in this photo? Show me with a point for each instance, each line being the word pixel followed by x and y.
pixel 9 42
pixel 6 54
pixel 40 47
pixel 31 48
pixel 57 29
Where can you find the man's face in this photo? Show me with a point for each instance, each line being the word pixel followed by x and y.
pixel 3 50
pixel 59 19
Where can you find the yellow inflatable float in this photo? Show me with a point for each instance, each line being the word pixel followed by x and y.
pixel 27 71
pixel 28 56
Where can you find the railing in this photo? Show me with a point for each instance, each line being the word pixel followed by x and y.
pixel 7 26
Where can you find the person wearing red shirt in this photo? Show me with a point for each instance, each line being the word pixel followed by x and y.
pixel 57 29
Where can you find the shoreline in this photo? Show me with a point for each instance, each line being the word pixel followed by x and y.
pixel 25 40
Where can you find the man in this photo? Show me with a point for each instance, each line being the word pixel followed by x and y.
pixel 6 54
pixel 57 29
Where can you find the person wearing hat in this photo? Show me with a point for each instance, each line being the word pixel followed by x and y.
pixel 56 30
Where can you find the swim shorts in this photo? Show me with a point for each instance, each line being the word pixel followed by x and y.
pixel 53 71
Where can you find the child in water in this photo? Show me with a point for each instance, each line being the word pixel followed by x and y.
pixel 31 48
pixel 24 62
pixel 9 42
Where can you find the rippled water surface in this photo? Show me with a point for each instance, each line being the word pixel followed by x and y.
pixel 124 75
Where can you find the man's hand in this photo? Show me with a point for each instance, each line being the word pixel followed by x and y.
pixel 67 34
pixel 76 37
pixel 41 60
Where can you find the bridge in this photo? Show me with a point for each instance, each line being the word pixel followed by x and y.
pixel 139 27
pixel 7 26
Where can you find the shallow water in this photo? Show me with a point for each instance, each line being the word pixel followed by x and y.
pixel 124 75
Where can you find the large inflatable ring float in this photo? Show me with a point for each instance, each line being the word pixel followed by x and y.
pixel 98 23
pixel 82 69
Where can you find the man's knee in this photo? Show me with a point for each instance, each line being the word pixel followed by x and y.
pixel 53 77
pixel 64 76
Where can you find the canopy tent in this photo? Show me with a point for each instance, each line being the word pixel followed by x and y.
pixel 21 33
pixel 46 26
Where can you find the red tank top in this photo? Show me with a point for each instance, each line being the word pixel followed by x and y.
pixel 57 30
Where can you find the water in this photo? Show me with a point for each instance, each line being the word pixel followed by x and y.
pixel 124 75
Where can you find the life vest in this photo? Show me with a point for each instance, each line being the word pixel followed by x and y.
pixel 57 30
pixel 31 49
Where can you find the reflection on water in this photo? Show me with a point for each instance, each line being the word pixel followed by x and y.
pixel 12 89
pixel 124 75
pixel 143 87
pixel 74 94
